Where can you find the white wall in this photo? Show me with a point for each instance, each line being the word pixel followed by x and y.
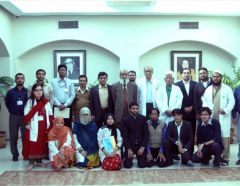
pixel 97 59
pixel 160 58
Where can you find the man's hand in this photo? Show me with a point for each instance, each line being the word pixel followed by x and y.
pixel 61 107
pixel 168 113
pixel 130 153
pixel 188 109
pixel 221 111
pixel 149 157
pixel 140 151
pixel 161 157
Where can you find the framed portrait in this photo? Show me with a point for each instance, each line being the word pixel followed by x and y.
pixel 75 60
pixel 186 59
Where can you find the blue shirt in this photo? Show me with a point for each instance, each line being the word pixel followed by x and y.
pixel 15 100
pixel 236 108
pixel 63 91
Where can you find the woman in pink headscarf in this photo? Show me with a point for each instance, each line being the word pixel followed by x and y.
pixel 61 144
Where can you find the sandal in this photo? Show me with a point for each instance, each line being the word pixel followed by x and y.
pixel 30 167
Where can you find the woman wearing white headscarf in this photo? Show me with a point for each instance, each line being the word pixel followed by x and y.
pixel 85 137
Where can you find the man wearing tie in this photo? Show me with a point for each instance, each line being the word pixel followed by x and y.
pixel 123 93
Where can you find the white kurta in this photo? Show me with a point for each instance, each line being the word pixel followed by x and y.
pixel 52 145
pixel 175 101
pixel 142 94
pixel 104 133
pixel 226 103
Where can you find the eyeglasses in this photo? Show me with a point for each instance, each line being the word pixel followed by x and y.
pixel 85 114
pixel 38 90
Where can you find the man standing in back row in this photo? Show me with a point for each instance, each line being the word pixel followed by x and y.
pixel 64 93
pixel 101 101
pixel 147 88
pixel 15 101
pixel 187 87
pixel 123 93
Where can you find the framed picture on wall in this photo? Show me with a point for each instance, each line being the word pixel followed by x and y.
pixel 186 59
pixel 75 60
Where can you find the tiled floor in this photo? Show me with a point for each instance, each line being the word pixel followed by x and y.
pixel 13 173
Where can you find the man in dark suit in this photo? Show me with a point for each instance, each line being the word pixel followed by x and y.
pixel 200 87
pixel 123 93
pixel 101 101
pixel 135 137
pixel 187 87
pixel 179 138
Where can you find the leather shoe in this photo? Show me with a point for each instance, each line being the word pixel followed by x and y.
pixel 15 158
pixel 238 162
pixel 216 167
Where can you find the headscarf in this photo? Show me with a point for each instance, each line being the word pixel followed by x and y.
pixel 86 132
pixel 85 116
pixel 57 134
pixel 112 127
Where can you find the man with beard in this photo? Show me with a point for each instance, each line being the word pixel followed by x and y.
pixel 64 93
pixel 82 97
pixel 132 76
pixel 219 98
pixel 204 82
pixel 135 137
pixel 123 93
pixel 15 101
pixel 47 88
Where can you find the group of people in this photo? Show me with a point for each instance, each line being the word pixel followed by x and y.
pixel 137 118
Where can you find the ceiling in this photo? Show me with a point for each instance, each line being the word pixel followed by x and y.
pixel 122 7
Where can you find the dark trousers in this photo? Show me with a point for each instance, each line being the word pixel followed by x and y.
pixel 141 160
pixel 67 121
pixel 213 149
pixel 100 120
pixel 171 148
pixel 15 122
pixel 192 119
pixel 156 160
pixel 149 107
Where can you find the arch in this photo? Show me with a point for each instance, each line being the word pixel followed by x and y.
pixel 65 40
pixel 231 55
pixel 3 49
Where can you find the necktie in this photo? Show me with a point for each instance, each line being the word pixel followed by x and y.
pixel 125 95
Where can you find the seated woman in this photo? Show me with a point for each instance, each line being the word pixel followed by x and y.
pixel 37 117
pixel 61 144
pixel 85 137
pixel 109 156
pixel 209 140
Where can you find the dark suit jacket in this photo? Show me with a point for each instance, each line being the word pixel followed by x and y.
pixel 187 99
pixel 118 98
pixel 95 105
pixel 135 131
pixel 197 95
pixel 186 135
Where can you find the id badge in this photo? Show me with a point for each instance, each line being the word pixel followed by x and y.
pixel 40 118
pixel 19 102
pixel 65 90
